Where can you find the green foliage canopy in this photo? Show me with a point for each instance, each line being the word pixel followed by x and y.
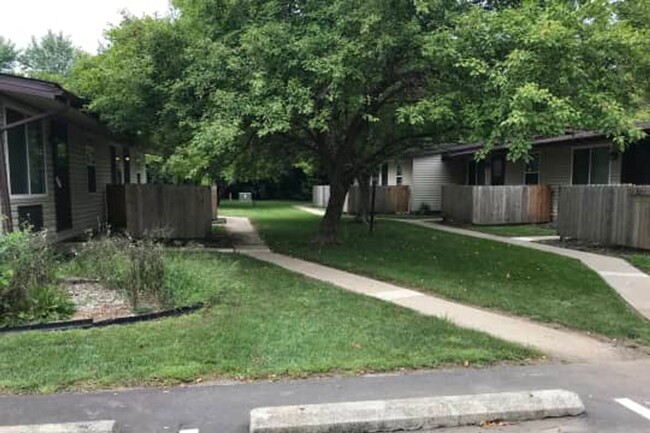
pixel 51 57
pixel 243 85
pixel 8 54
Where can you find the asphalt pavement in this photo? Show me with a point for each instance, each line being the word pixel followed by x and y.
pixel 615 396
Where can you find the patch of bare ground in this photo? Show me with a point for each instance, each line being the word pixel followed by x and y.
pixel 94 301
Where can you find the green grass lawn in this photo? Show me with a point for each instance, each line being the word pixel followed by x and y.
pixel 516 230
pixel 539 285
pixel 265 321
pixel 641 261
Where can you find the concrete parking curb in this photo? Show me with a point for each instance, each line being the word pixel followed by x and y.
pixel 104 426
pixel 416 414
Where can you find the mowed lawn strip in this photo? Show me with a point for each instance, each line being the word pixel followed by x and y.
pixel 641 261
pixel 539 285
pixel 268 322
pixel 522 230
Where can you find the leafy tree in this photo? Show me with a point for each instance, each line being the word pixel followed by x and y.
pixel 131 81
pixel 346 85
pixel 50 57
pixel 8 54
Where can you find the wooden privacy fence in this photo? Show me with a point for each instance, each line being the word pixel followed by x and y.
pixel 606 214
pixel 185 211
pixel 388 199
pixel 484 205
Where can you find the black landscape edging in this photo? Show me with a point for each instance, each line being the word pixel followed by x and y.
pixel 89 323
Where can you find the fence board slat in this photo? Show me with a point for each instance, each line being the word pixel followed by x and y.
pixel 484 205
pixel 606 214
pixel 183 210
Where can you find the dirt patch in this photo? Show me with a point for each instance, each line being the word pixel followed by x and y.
pixel 94 301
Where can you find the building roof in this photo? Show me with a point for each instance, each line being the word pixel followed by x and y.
pixel 456 150
pixel 51 98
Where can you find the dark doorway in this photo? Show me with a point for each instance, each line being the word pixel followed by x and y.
pixel 636 164
pixel 498 175
pixel 61 158
pixel 476 172
pixel 127 166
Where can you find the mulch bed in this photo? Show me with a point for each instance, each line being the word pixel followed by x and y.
pixel 94 301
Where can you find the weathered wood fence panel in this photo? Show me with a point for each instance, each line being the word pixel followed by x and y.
pixel 485 205
pixel 606 214
pixel 388 199
pixel 185 211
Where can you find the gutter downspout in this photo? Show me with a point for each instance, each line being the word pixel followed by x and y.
pixel 5 203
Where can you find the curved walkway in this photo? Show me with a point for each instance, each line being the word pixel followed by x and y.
pixel 562 344
pixel 629 282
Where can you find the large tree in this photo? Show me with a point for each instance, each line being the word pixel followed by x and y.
pixel 50 57
pixel 8 55
pixel 348 84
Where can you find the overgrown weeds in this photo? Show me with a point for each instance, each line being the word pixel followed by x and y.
pixel 28 290
pixel 136 267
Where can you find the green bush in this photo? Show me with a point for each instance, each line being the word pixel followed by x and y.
pixel 28 291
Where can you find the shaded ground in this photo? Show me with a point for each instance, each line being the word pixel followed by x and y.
pixel 264 322
pixel 520 230
pixel 638 258
pixel 539 285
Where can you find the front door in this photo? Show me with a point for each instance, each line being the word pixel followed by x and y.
pixel 61 159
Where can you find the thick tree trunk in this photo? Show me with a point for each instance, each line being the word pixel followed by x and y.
pixel 363 213
pixel 329 225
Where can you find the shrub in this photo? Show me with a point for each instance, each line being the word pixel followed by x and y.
pixel 135 267
pixel 27 282
pixel 146 273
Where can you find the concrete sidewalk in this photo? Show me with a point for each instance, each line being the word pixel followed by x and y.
pixel 562 344
pixel 630 283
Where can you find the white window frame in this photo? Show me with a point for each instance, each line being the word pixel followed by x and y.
pixel 399 174
pixel 538 155
pixel 5 143
pixel 592 146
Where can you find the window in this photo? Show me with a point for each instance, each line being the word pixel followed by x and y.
pixel 498 175
pixel 476 173
pixel 384 174
pixel 91 167
pixel 26 156
pixel 591 165
pixel 531 170
pixel 399 177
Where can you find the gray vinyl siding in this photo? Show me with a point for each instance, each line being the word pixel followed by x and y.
pixel 430 172
pixel 88 209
